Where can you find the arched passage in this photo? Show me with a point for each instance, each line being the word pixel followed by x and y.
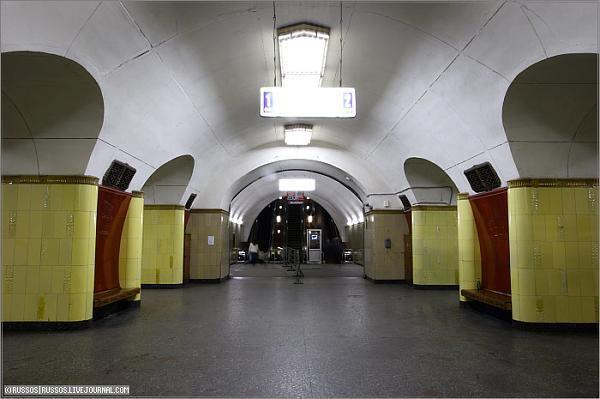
pixel 339 200
pixel 168 184
pixel 550 115
pixel 429 184
pixel 52 114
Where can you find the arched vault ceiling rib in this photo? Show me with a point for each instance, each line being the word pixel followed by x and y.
pixel 174 82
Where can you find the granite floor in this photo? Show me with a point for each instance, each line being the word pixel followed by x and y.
pixel 330 337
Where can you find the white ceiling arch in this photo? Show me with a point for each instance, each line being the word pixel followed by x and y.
pixel 168 184
pixel 183 78
pixel 552 108
pixel 341 203
pixel 52 114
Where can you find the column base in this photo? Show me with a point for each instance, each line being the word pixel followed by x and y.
pixel 376 281
pixel 435 287
pixel 209 280
pixel 180 285
pixel 45 325
pixel 593 327
pixel 115 308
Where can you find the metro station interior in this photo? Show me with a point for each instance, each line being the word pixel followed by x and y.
pixel 301 199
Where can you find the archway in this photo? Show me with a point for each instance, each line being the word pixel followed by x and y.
pixel 429 184
pixel 52 114
pixel 550 116
pixel 168 184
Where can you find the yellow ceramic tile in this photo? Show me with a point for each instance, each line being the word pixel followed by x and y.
pixel 572 255
pixel 9 196
pixel 20 252
pixel 35 224
pixel 587 283
pixel 528 309
pixel 8 251
pixel 62 307
pixel 77 307
pixel 585 250
pixel 526 281
pixel 81 227
pixel 22 224
pixel 50 307
pixel 79 251
pixel 541 282
pixel 574 282
pixel 79 279
pixel 34 246
pixel 64 251
pixel 45 279
pixel 30 307
pixel 23 196
pixel 575 309
pixel 589 309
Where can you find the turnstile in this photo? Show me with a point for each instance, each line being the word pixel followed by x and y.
pixel 313 238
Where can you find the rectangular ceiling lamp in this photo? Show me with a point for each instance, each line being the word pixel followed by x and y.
pixel 297 134
pixel 302 54
pixel 297 185
pixel 317 102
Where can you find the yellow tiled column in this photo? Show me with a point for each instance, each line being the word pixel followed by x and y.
pixel 162 244
pixel 48 247
pixel 383 263
pixel 435 245
pixel 130 252
pixel 209 254
pixel 553 233
pixel 469 256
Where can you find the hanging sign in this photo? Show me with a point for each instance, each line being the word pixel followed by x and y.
pixel 295 198
pixel 314 102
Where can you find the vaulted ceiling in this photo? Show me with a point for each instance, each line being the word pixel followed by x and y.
pixel 182 78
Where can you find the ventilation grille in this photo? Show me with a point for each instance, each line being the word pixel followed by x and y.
pixel 190 201
pixel 482 177
pixel 405 201
pixel 118 175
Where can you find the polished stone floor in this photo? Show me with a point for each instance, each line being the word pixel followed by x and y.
pixel 330 337
pixel 310 270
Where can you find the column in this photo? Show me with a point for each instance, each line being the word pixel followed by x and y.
pixel 469 256
pixel 130 253
pixel 553 233
pixel 209 257
pixel 162 245
pixel 383 263
pixel 49 241
pixel 435 245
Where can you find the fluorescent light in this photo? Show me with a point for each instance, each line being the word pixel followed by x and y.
pixel 297 134
pixel 310 218
pixel 349 221
pixel 361 217
pixel 302 54
pixel 354 220
pixel 278 219
pixel 307 102
pixel 278 231
pixel 297 185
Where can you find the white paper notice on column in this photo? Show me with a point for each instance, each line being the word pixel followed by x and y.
pixel 314 102
pixel 211 240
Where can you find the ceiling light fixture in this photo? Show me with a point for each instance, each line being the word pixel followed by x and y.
pixel 302 54
pixel 298 134
pixel 297 185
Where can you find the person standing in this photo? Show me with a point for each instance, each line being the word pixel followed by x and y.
pixel 253 251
